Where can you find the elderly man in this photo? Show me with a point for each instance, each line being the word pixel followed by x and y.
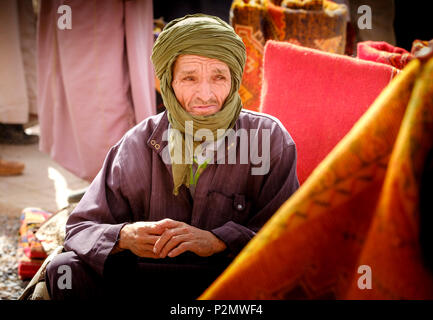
pixel 161 219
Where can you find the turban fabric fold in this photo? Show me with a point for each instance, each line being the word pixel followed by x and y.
pixel 206 36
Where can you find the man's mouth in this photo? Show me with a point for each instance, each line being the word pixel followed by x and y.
pixel 204 107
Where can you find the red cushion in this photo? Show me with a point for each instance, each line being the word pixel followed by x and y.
pixel 318 96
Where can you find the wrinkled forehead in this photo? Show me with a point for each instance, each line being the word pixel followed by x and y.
pixel 189 62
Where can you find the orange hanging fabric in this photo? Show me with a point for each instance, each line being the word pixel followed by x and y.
pixel 359 207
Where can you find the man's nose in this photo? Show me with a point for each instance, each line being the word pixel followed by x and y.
pixel 205 91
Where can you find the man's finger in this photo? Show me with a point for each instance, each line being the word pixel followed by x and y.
pixel 156 229
pixel 151 239
pixel 169 224
pixel 174 242
pixel 183 247
pixel 168 234
pixel 163 239
pixel 149 229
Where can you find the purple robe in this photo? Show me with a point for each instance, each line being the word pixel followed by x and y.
pixel 135 184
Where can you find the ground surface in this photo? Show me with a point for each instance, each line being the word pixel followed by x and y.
pixel 44 184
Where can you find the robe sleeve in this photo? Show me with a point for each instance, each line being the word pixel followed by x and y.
pixel 93 227
pixel 279 184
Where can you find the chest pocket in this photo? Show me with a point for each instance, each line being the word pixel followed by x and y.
pixel 224 208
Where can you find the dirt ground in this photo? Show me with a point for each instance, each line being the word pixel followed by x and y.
pixel 44 184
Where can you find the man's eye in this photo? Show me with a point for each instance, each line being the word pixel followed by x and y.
pixel 219 77
pixel 189 79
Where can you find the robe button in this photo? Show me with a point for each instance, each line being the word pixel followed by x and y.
pixel 152 142
pixel 239 202
pixel 157 146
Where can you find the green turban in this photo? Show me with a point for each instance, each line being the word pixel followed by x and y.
pixel 206 36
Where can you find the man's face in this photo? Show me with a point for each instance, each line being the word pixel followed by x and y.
pixel 201 84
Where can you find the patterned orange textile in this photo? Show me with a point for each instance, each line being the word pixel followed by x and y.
pixel 359 207
pixel 315 24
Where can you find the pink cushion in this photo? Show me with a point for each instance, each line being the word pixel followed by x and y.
pixel 318 96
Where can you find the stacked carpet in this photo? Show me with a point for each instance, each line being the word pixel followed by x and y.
pixel 318 96
pixel 382 52
pixel 357 215
pixel 30 248
pixel 314 23
pixel 41 233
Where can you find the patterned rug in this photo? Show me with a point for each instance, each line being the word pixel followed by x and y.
pixel 315 24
